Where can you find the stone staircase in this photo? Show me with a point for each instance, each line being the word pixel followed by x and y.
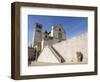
pixel 56 54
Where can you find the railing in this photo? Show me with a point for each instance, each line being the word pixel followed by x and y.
pixel 56 54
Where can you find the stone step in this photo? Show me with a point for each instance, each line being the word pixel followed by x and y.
pixel 58 56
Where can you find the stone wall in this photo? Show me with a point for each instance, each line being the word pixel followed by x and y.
pixel 68 50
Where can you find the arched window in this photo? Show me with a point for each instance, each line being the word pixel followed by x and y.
pixel 59 29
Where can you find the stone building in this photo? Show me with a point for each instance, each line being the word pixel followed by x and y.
pixel 53 48
pixel 42 39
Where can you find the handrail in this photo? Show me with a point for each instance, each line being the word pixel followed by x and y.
pixel 58 56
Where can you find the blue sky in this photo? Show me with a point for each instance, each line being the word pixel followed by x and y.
pixel 73 26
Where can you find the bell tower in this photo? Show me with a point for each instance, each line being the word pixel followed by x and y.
pixel 37 36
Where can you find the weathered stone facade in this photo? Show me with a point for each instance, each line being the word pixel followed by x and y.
pixel 42 39
pixel 53 47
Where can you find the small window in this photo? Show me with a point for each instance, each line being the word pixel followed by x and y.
pixel 59 29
